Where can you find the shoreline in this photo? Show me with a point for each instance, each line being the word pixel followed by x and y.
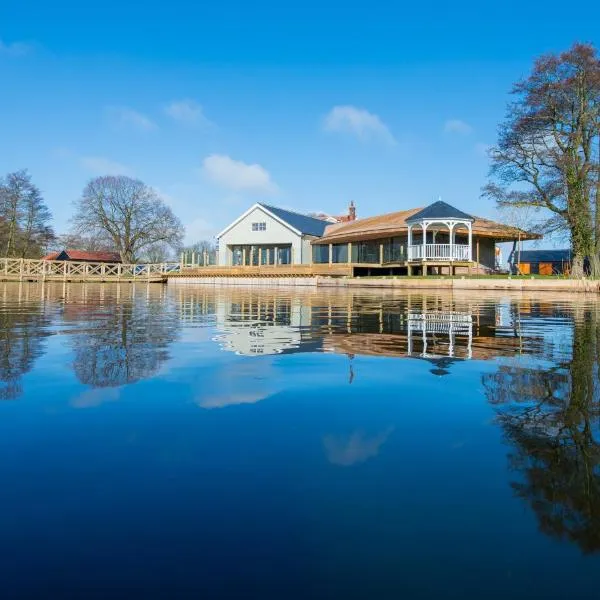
pixel 543 285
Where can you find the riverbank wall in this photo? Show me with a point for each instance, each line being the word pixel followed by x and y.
pixel 505 284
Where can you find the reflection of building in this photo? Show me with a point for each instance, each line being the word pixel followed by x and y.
pixel 450 324
pixel 255 326
pixel 440 328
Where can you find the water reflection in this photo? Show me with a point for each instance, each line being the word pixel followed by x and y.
pixel 355 448
pixel 439 329
pixel 550 414
pixel 123 339
pixel 23 330
pixel 537 360
pixel 119 334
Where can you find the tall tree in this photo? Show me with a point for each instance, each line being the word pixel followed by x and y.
pixel 26 230
pixel 128 212
pixel 547 152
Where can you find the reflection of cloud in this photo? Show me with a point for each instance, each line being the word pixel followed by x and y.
pixel 222 400
pixel 95 397
pixel 239 384
pixel 356 448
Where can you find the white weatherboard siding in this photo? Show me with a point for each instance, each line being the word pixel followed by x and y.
pixel 307 249
pixel 275 233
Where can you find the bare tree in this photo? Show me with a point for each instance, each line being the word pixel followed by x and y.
pixel 547 155
pixel 156 253
pixel 92 243
pixel 199 250
pixel 520 218
pixel 129 213
pixel 25 218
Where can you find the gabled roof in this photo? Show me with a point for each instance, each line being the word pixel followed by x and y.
pixel 84 255
pixel 296 222
pixel 95 256
pixel 302 223
pixel 440 210
pixel 535 256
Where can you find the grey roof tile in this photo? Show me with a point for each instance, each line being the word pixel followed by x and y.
pixel 440 210
pixel 303 223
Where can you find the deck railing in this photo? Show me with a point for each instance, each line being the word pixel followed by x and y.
pixel 439 252
pixel 25 268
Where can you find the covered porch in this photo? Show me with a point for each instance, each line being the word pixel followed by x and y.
pixel 440 239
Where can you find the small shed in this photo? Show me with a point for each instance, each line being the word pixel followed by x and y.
pixel 542 262
pixel 85 256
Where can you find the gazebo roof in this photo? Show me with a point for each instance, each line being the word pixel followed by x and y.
pixel 440 210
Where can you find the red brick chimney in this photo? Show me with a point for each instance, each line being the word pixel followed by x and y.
pixel 352 211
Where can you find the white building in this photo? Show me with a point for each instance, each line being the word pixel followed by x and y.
pixel 267 235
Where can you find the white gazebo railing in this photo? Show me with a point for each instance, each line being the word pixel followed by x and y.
pixel 439 252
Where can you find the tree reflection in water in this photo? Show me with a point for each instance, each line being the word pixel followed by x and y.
pixel 123 340
pixel 23 329
pixel 551 416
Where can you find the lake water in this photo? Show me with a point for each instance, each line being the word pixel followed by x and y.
pixel 179 441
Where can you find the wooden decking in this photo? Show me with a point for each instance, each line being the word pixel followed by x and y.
pixel 23 269
pixel 326 270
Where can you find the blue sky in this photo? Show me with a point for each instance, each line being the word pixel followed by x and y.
pixel 306 106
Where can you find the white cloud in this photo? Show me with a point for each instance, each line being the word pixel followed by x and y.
pixel 99 165
pixel 457 126
pixel 359 122
pixel 188 112
pixel 237 175
pixel 15 49
pixel 127 117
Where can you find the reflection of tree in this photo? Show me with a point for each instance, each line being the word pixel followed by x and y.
pixel 124 341
pixel 551 416
pixel 22 333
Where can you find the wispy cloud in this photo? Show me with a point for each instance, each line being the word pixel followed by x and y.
pixel 188 112
pixel 358 122
pixel 98 165
pixel 121 116
pixel 237 175
pixel 15 49
pixel 457 126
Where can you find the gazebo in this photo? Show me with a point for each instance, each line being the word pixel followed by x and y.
pixel 438 225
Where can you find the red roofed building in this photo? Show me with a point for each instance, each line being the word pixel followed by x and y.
pixel 84 256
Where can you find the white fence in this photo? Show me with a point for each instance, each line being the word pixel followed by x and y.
pixel 439 252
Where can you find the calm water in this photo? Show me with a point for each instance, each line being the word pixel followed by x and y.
pixel 243 443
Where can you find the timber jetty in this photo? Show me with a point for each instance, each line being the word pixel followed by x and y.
pixel 25 269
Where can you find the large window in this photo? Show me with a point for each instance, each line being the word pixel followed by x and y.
pixel 394 250
pixel 340 253
pixel 259 226
pixel 320 253
pixel 284 255
pixel 365 252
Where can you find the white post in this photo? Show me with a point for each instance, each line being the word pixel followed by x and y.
pixel 451 228
pixel 424 226
pixel 470 226
pixel 409 242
